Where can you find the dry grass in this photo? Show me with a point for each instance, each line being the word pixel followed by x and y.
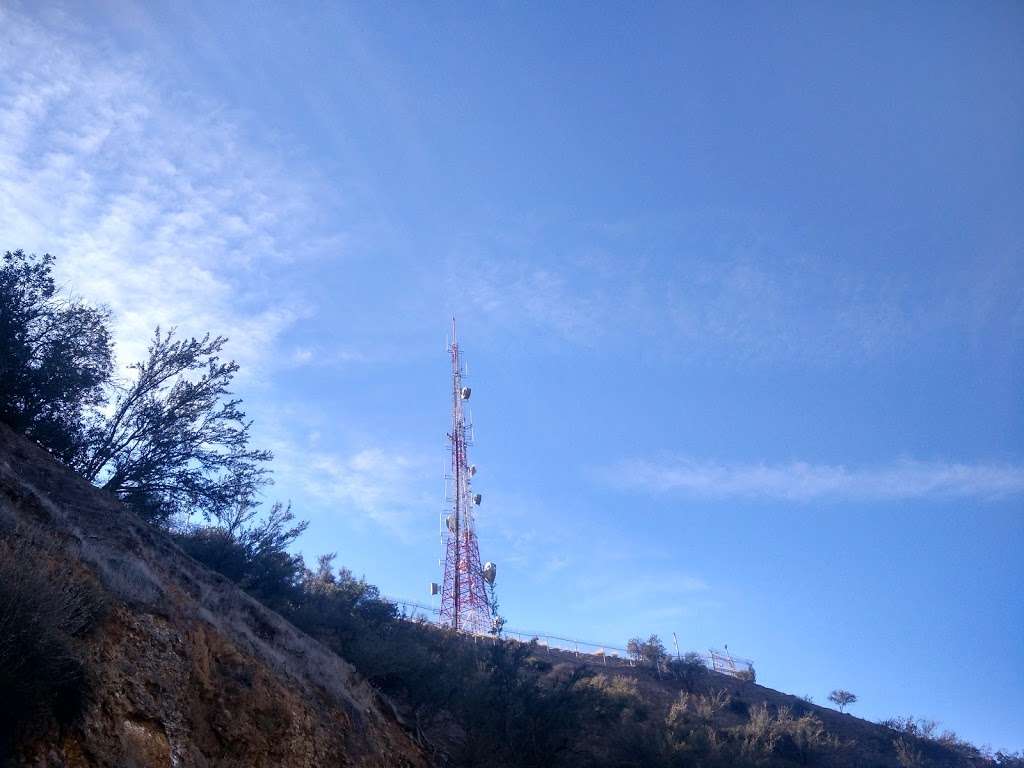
pixel 45 608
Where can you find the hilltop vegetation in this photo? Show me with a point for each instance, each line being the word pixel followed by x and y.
pixel 172 446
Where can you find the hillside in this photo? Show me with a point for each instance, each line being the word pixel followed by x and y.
pixel 183 668
pixel 856 742
pixel 179 667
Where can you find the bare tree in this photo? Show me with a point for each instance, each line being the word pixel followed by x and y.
pixel 175 442
pixel 842 699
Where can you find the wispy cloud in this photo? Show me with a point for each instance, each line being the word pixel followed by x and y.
pixel 721 285
pixel 651 593
pixel 799 481
pixel 764 305
pixel 515 292
pixel 152 200
pixel 385 486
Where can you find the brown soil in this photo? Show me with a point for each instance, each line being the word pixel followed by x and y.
pixel 186 670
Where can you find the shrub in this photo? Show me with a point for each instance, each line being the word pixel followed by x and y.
pixel 706 707
pixel 612 696
pixel 694 660
pixel 907 755
pixel 253 553
pixel 738 706
pixel 44 609
pixel 924 732
pixel 690 669
pixel 806 737
pixel 919 727
pixel 217 548
pixel 759 734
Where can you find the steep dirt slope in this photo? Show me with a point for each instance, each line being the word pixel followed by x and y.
pixel 185 669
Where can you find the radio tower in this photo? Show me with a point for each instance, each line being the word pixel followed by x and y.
pixel 465 604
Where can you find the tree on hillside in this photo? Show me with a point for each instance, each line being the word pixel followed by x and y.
pixel 334 603
pixel 650 651
pixel 634 647
pixel 55 355
pixel 653 651
pixel 253 552
pixel 842 699
pixel 175 442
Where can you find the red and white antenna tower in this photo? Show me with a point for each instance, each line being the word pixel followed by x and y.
pixel 465 603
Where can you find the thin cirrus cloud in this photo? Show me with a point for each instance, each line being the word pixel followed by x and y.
pixel 381 485
pixel 758 293
pixel 153 202
pixel 799 481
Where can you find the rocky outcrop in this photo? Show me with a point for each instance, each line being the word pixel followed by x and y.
pixel 185 669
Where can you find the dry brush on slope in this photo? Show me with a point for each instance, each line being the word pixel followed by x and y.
pixel 182 668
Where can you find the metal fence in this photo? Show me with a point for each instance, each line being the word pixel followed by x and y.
pixel 728 664
pixel 721 661
pixel 602 653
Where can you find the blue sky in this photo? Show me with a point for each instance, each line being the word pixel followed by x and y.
pixel 741 289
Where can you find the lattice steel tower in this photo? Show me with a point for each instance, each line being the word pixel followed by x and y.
pixel 465 600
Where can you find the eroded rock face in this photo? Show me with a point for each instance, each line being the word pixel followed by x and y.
pixel 144 743
pixel 186 670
